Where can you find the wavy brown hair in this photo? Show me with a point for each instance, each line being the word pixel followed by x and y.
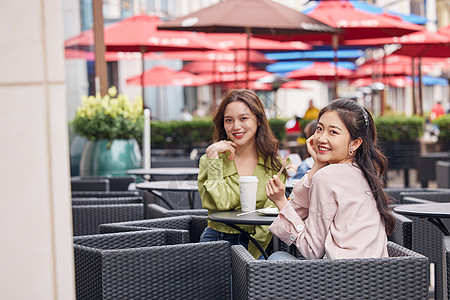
pixel 368 156
pixel 266 142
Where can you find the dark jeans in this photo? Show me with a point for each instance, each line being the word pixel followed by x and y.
pixel 210 235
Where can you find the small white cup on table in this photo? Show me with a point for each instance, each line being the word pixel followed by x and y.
pixel 248 185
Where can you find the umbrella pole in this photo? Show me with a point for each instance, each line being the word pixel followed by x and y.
pixel 420 106
pixel 235 68
pixel 143 48
pixel 413 73
pixel 335 42
pixel 247 31
pixel 99 48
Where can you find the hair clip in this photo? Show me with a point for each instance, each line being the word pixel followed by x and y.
pixel 366 117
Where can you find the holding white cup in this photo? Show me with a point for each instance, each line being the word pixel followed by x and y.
pixel 248 185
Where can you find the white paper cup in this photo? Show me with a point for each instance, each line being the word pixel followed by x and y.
pixel 248 185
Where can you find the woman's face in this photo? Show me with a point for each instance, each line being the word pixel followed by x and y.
pixel 332 139
pixel 240 123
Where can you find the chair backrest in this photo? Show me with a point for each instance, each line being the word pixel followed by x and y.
pixel 87 218
pixel 194 224
pixel 140 265
pixel 79 184
pixel 105 194
pixel 446 265
pixel 404 275
pixel 112 200
pixel 395 193
pixel 427 240
pixel 154 210
pixel 443 174
pixel 402 234
pixel 436 195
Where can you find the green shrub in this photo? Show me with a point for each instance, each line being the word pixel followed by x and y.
pixel 196 133
pixel 443 123
pixel 110 117
pixel 399 128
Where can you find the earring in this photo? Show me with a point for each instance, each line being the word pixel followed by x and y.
pixel 350 152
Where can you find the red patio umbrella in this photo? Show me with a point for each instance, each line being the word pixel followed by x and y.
pixel 356 23
pixel 140 34
pixel 219 67
pixel 294 84
pixel 319 71
pixel 164 76
pixel 249 17
pixel 211 56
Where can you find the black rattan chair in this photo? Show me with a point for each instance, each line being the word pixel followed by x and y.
pixel 446 265
pixel 402 234
pixel 104 200
pixel 150 264
pixel 157 211
pixel 427 240
pixel 194 224
pixel 88 184
pixel 87 218
pixel 404 275
pixel 104 194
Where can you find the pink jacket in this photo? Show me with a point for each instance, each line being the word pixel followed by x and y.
pixel 336 215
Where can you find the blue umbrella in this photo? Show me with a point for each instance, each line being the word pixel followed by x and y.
pixel 288 66
pixel 352 54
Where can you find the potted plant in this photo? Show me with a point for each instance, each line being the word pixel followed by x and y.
pixel 443 122
pixel 112 125
pixel 399 139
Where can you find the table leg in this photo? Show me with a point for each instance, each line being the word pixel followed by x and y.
pixel 191 197
pixel 162 198
pixel 250 238
pixel 439 224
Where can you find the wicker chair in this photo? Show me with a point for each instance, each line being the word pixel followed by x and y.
pixel 194 224
pixel 435 195
pixel 402 234
pixel 87 218
pixel 443 174
pixel 446 265
pixel 427 240
pixel 150 264
pixel 157 211
pixel 395 193
pixel 103 194
pixel 85 184
pixel 404 275
pixel 104 200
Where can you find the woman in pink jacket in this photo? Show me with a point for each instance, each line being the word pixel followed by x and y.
pixel 339 208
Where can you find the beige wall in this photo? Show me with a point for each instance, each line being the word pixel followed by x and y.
pixel 36 256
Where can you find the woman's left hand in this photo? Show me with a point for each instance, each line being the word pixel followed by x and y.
pixel 275 191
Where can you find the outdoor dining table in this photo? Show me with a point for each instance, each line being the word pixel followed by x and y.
pixel 189 186
pixel 433 212
pixel 178 171
pixel 232 218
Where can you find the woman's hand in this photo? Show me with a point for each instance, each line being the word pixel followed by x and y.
pixel 275 191
pixel 317 164
pixel 215 149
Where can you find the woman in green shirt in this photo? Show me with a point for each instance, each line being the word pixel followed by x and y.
pixel 244 145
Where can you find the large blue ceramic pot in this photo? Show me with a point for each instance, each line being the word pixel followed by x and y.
pixel 104 157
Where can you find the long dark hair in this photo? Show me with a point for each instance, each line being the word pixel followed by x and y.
pixel 266 142
pixel 368 156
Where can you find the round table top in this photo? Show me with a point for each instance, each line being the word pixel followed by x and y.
pixel 253 218
pixel 432 210
pixel 164 171
pixel 169 185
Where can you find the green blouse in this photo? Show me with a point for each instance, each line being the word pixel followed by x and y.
pixel 219 189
